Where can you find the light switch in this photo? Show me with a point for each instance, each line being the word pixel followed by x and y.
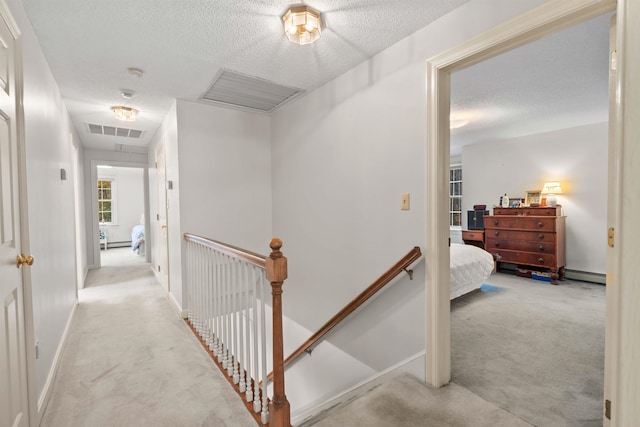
pixel 404 201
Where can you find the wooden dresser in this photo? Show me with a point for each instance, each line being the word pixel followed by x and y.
pixel 528 236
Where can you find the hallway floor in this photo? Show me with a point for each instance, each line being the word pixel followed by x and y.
pixel 130 360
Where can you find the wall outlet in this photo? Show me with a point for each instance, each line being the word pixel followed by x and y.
pixel 404 201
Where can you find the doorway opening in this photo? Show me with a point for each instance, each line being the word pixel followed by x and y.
pixel 545 20
pixel 121 215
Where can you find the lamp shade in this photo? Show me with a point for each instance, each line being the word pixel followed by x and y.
pixel 552 187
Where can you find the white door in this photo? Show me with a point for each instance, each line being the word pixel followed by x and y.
pixel 13 371
pixel 161 220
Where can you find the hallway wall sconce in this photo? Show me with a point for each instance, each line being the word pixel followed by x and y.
pixel 302 25
pixel 126 114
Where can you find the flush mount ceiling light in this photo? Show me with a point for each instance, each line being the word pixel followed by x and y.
pixel 455 124
pixel 126 114
pixel 302 24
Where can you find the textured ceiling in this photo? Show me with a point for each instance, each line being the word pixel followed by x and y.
pixel 557 82
pixel 182 45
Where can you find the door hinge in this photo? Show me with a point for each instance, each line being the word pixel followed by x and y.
pixel 611 235
pixel 156 165
pixel 157 217
pixel 607 409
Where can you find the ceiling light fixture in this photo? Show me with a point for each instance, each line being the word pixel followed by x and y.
pixel 126 114
pixel 302 24
pixel 136 72
pixel 455 124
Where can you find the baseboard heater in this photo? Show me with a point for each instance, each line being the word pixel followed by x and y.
pixel 583 276
pixel 119 244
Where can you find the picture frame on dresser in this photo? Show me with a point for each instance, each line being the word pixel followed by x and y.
pixel 532 197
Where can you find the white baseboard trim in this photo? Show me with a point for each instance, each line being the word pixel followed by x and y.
pixel 43 400
pixel 176 306
pixel 309 416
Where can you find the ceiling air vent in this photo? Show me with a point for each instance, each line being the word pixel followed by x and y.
pixel 232 89
pixel 114 131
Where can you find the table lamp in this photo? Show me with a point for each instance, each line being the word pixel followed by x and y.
pixel 552 188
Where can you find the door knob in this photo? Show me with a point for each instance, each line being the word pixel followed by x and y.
pixel 23 259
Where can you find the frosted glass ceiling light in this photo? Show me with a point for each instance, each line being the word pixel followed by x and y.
pixel 302 24
pixel 126 114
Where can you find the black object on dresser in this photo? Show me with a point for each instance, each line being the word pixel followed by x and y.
pixel 475 219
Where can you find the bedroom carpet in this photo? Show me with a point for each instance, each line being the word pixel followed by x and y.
pixel 534 349
pixel 130 360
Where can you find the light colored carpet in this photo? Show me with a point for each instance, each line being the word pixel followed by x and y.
pixel 406 402
pixel 534 349
pixel 130 361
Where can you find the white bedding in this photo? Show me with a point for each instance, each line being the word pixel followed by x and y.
pixel 470 267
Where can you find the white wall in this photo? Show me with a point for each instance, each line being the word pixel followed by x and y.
pixel 577 157
pixel 220 164
pixel 48 135
pixel 341 156
pixel 129 201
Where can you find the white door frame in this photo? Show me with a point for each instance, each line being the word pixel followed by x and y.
pixel 94 204
pixel 621 373
pixel 23 225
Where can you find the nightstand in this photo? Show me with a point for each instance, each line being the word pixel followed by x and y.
pixel 473 237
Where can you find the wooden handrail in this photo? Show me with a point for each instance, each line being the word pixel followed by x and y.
pixel 364 296
pixel 234 251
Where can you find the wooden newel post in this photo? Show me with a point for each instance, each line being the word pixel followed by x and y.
pixel 276 272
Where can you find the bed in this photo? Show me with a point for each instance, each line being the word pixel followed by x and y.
pixel 137 239
pixel 470 267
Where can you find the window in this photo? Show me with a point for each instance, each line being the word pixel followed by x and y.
pixel 106 201
pixel 455 196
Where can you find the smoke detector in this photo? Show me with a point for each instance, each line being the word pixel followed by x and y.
pixel 127 93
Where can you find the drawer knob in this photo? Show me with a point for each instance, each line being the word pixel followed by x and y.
pixel 541 247
pixel 496 222
pixel 540 224
pixel 497 233
pixel 541 260
pixel 541 236
pixel 497 244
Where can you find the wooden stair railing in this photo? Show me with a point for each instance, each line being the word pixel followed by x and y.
pixel 402 265
pixel 275 271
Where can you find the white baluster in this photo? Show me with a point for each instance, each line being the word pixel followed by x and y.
pixel 220 291
pixel 236 327
pixel 242 280
pixel 229 293
pixel 257 404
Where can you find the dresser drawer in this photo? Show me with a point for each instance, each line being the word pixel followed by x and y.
pixel 545 247
pixel 526 211
pixel 529 236
pixel 525 258
pixel 521 223
pixel 473 235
